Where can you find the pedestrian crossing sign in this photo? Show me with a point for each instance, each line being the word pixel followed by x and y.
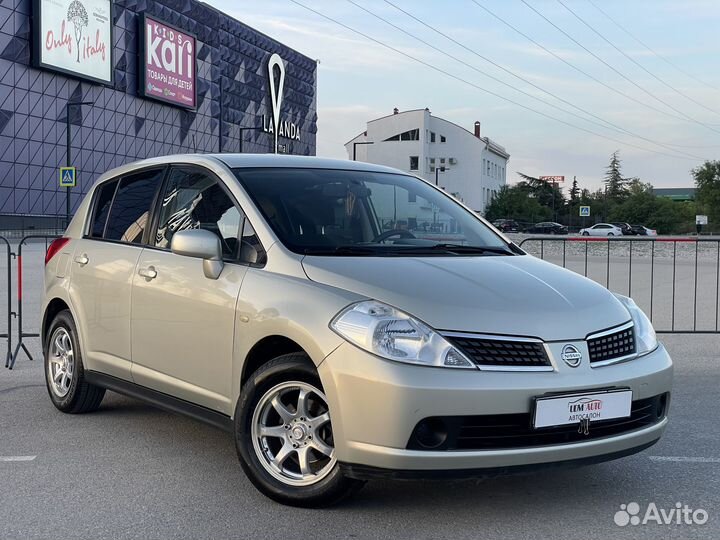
pixel 68 177
pixel 584 211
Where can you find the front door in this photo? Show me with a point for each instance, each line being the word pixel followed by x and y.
pixel 183 323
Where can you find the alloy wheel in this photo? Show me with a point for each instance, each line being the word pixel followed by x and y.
pixel 61 365
pixel 292 434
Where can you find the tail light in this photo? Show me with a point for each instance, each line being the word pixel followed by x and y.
pixel 54 247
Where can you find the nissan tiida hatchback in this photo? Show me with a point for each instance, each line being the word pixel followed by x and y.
pixel 345 321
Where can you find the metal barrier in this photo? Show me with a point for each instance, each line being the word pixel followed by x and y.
pixel 10 312
pixel 21 333
pixel 601 251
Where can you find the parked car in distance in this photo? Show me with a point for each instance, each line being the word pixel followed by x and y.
pixel 641 230
pixel 261 294
pixel 626 228
pixel 506 225
pixel 602 229
pixel 547 227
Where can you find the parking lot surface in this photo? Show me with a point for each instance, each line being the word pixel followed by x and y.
pixel 132 471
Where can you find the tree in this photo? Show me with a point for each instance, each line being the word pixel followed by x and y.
pixel 616 185
pixel 517 203
pixel 547 194
pixel 77 15
pixel 707 182
pixel 643 207
pixel 574 191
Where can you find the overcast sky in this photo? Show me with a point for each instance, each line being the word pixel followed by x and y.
pixel 673 112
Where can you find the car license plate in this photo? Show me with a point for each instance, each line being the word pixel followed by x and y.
pixel 572 409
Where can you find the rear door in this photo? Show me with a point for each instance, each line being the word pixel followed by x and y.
pixel 103 264
pixel 183 323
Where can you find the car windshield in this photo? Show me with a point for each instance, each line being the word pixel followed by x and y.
pixel 338 212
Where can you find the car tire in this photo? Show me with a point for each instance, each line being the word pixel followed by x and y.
pixel 611 234
pixel 64 370
pixel 586 233
pixel 322 483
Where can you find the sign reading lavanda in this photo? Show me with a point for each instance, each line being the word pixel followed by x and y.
pixel 167 69
pixel 74 37
pixel 277 126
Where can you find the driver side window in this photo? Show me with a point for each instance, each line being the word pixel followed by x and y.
pixel 194 199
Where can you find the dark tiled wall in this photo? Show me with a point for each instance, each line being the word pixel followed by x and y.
pixel 122 127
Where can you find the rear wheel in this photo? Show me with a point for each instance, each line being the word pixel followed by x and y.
pixel 284 437
pixel 64 370
pixel 611 234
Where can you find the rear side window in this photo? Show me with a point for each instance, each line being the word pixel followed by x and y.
pixel 130 210
pixel 102 208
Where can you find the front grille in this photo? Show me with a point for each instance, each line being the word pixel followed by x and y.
pixel 612 346
pixel 504 353
pixel 508 431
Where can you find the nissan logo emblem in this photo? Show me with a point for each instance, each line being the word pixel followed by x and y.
pixel 571 355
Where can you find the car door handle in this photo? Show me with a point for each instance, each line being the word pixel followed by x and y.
pixel 148 273
pixel 82 260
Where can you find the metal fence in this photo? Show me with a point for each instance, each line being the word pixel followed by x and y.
pixel 21 333
pixel 675 280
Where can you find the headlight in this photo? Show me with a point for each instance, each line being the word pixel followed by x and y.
pixel 645 337
pixel 390 333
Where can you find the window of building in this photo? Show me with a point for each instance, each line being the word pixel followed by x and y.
pixel 488 167
pixel 130 210
pixel 483 165
pixel 432 137
pixel 414 163
pixel 442 138
pixel 194 199
pixel 411 135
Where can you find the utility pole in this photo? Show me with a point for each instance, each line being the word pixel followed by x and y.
pixel 68 149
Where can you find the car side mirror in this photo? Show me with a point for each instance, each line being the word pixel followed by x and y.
pixel 200 244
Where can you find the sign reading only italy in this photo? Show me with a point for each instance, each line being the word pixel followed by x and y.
pixel 168 72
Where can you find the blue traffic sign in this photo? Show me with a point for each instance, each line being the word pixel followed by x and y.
pixel 584 211
pixel 68 177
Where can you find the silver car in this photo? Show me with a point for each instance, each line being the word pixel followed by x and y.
pixel 344 321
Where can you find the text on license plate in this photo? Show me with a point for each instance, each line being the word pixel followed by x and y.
pixel 572 409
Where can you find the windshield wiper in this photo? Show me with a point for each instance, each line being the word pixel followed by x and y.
pixel 457 249
pixel 349 249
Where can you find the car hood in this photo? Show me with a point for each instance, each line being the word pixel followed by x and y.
pixel 512 295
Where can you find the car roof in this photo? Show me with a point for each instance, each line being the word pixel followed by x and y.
pixel 290 161
pixel 251 161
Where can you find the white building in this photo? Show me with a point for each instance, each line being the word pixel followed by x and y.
pixel 475 167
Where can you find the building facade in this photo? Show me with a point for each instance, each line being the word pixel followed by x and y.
pixel 161 77
pixel 471 167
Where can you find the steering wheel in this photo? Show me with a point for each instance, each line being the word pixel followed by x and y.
pixel 400 233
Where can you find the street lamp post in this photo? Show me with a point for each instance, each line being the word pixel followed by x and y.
pixel 68 149
pixel 355 148
pixel 243 130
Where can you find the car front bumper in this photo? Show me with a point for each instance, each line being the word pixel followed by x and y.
pixel 376 404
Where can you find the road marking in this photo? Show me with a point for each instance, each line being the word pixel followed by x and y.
pixel 17 458
pixel 685 459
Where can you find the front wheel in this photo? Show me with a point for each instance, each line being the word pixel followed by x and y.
pixel 586 233
pixel 284 437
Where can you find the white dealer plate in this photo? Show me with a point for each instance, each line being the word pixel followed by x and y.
pixel 571 409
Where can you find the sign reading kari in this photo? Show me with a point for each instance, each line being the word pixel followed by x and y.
pixel 74 37
pixel 167 69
